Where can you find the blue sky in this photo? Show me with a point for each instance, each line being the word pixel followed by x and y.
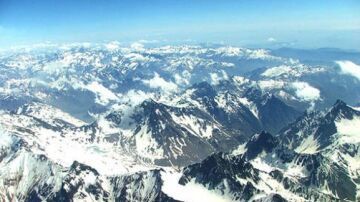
pixel 313 24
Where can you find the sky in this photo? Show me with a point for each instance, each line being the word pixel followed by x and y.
pixel 268 23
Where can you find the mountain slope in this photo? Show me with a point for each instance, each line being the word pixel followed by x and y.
pixel 270 168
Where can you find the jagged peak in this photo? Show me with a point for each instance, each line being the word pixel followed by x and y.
pixel 263 141
pixel 262 135
pixel 270 98
pixel 79 167
pixel 341 109
pixel 151 105
pixel 339 104
pixel 257 95
pixel 203 89
pixel 202 84
pixel 253 92
pixel 149 102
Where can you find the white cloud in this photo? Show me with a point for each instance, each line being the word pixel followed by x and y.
pixel 349 68
pixel 180 80
pixel 225 75
pixel 114 45
pixel 305 91
pixel 135 97
pixel 216 78
pixel 271 84
pixel 348 130
pixel 86 44
pixel 271 39
pixel 183 78
pixel 158 82
pixel 148 41
pixel 137 46
pixel 103 95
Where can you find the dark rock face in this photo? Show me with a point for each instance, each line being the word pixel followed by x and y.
pixel 263 142
pixel 74 184
pixel 224 129
pixel 11 103
pixel 142 186
pixel 156 116
pixel 341 109
pixel 233 127
pixel 219 171
pixel 134 187
pixel 271 198
pixel 273 113
pixel 321 126
pixel 321 173
pixel 235 176
pixel 222 172
pixel 241 122
pixel 203 90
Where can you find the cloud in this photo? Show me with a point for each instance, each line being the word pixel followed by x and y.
pixel 114 45
pixel 137 46
pixel 271 84
pixel 144 41
pixel 305 91
pixel 271 39
pixel 216 78
pixel 225 75
pixel 158 82
pixel 183 79
pixel 349 68
pixel 135 97
pixel 103 95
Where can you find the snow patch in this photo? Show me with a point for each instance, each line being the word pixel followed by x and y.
pixel 250 105
pixel 308 146
pixel 190 192
pixel 241 149
pixel 271 84
pixel 294 69
pixel 147 146
pixel 348 130
pixel 276 71
pixel 258 163
pixel 196 126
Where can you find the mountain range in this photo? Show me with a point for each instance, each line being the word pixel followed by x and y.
pixel 178 123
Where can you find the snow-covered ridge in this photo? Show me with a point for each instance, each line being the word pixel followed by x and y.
pixel 291 71
pixel 48 114
pixel 65 144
